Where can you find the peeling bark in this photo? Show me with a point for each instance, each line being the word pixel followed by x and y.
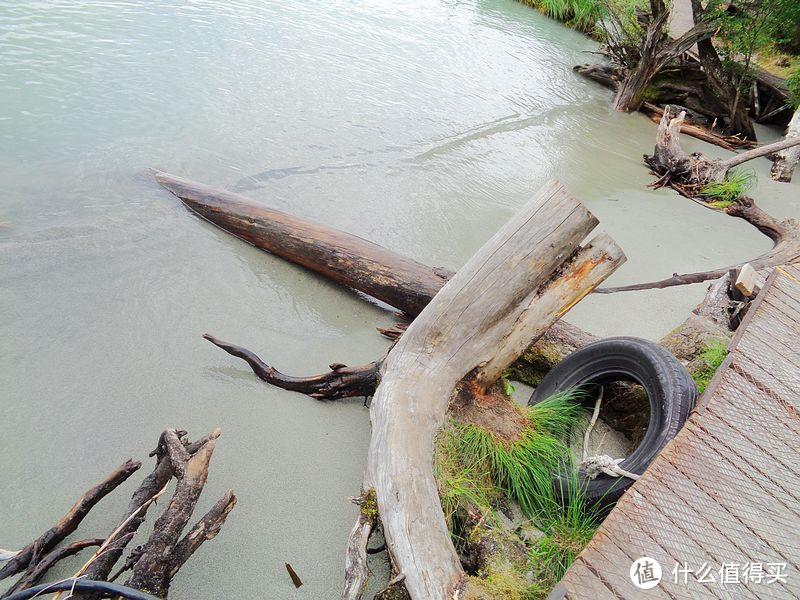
pixel 785 161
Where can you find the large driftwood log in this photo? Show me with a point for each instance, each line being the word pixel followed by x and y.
pixel 340 256
pixel 785 161
pixel 156 562
pixel 519 283
pixel 397 280
pixel 341 382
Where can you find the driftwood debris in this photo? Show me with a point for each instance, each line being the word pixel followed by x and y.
pixel 689 174
pixel 154 563
pixel 687 341
pixel 417 382
pixel 609 76
pixel 411 284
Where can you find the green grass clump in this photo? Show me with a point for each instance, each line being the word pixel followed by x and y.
pixel 566 534
pixel 523 469
pixel 712 357
pixel 582 15
pixel 724 194
pixel 477 471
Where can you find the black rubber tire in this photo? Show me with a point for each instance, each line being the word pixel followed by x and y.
pixel 671 390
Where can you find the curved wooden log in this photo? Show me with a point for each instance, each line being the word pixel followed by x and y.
pixel 519 283
pixel 70 521
pixel 342 257
pixel 341 382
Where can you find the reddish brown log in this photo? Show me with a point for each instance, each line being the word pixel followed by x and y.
pixel 342 257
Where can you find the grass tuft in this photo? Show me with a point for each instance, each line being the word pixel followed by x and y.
pixel 477 471
pixel 582 15
pixel 726 193
pixel 712 357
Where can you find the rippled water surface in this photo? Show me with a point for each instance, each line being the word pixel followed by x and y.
pixel 420 124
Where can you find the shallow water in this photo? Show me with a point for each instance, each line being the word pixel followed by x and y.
pixel 421 125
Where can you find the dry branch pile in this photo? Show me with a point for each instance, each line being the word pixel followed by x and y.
pixel 154 563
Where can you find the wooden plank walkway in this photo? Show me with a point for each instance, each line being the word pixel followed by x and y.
pixel 722 501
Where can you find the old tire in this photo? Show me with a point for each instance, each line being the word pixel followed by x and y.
pixel 670 389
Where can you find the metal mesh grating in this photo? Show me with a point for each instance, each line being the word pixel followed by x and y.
pixel 726 490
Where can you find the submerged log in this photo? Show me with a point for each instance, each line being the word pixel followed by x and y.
pixel 397 280
pixel 519 283
pixel 342 257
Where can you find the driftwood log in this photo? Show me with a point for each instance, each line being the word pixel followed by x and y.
pixel 785 161
pixel 520 282
pixel 348 259
pixel 689 174
pixel 154 563
pixel 410 358
pixel 341 381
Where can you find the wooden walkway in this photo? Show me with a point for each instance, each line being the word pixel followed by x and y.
pixel 722 501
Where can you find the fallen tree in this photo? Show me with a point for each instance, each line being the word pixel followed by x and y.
pixel 221 208
pixel 663 89
pixel 644 56
pixel 154 563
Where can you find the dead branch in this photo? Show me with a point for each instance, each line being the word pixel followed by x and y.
pixel 34 573
pixel 154 568
pixel 688 174
pixel 341 382
pixel 204 530
pixel 69 522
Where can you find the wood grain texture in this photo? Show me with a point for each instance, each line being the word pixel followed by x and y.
pixel 342 257
pixel 512 289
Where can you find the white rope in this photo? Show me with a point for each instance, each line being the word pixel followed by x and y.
pixel 601 463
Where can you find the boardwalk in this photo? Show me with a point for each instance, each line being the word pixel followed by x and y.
pixel 723 499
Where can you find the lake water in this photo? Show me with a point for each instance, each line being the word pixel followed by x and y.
pixel 419 124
